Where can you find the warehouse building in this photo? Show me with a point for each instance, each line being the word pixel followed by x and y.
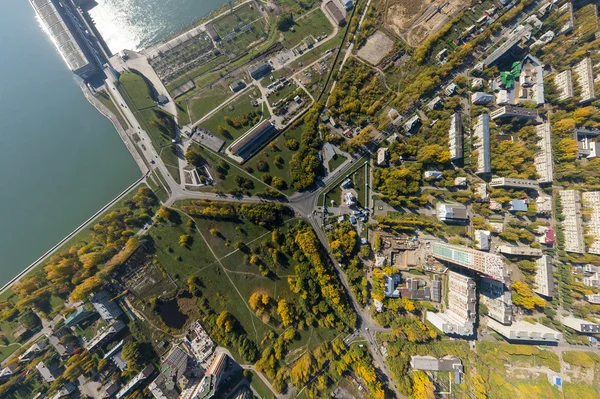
pixel 252 141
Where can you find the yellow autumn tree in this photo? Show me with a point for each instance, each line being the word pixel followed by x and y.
pixel 422 386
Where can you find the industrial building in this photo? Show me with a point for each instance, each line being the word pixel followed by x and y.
pixel 564 84
pixel 482 144
pixel 544 281
pixel 252 141
pixel 447 363
pixel 543 158
pixel 480 98
pixel 459 318
pixel 591 201
pixel 455 137
pixel 497 298
pixel 104 305
pixel 334 12
pixel 65 37
pixel 260 71
pixel 585 78
pixel 482 262
pixel 512 111
pixel 523 331
pixel 452 213
pixel 572 224
pixel 514 183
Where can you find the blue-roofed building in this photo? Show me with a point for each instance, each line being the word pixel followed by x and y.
pixel 518 205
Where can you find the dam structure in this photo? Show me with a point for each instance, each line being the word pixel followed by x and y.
pixel 61 21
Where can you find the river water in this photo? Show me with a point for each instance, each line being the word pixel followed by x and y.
pixel 60 159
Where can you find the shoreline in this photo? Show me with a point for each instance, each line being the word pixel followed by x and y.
pixel 82 226
pixel 143 168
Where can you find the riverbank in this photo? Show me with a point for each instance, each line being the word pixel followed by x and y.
pixel 59 245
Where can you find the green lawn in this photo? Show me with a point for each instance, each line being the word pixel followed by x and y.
pixel 314 24
pixel 269 153
pixel 179 262
pixel 260 387
pixel 158 124
pixel 336 162
pixel 233 171
pixel 156 183
pixel 205 100
pixel 235 110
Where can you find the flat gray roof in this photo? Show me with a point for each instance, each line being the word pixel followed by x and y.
pixel 60 34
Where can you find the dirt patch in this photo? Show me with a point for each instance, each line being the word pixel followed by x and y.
pixel 401 14
pixel 415 20
pixel 377 47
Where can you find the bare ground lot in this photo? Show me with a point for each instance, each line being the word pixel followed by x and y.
pixel 377 47
pixel 415 20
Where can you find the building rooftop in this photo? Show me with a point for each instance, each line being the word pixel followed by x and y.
pixel 524 331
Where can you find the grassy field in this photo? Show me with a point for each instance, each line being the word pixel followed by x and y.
pixel 179 262
pixel 235 110
pixel 269 153
pixel 233 171
pixel 582 359
pixel 156 183
pixel 357 174
pixel 314 24
pixel 260 387
pixel 208 100
pixel 156 122
pixel 335 162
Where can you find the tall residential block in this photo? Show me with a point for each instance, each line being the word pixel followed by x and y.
pixel 591 201
pixel 543 158
pixel 482 144
pixel 455 137
pixel 544 281
pixel 461 313
pixel 564 84
pixel 585 78
pixel 490 265
pixel 572 224
pixel 497 299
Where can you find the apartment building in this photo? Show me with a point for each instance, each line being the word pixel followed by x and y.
pixel 490 265
pixel 564 84
pixel 585 79
pixel 497 299
pixel 572 224
pixel 543 158
pixel 461 313
pixel 512 111
pixel 455 137
pixel 513 183
pixel 481 131
pixel 544 281
pixel 591 201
